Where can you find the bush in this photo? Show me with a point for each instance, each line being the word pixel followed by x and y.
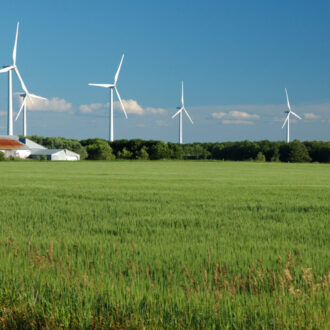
pixel 2 156
pixel 260 157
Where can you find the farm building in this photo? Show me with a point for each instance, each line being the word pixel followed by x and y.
pixel 25 148
pixel 13 147
pixel 54 154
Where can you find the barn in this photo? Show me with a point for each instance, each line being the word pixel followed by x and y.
pixel 25 148
pixel 13 147
pixel 54 154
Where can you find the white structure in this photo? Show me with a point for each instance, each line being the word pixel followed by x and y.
pixel 182 108
pixel 287 119
pixel 23 107
pixel 25 148
pixel 12 147
pixel 113 87
pixel 9 69
pixel 54 154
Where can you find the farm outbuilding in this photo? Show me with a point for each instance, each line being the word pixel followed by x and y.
pixel 25 148
pixel 54 154
pixel 12 147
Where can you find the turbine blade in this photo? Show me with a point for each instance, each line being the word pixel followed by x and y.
pixel 38 97
pixel 22 83
pixel 188 115
pixel 177 113
pixel 295 115
pixel 286 119
pixel 102 85
pixel 8 68
pixel 182 98
pixel 122 105
pixel 21 108
pixel 118 70
pixel 15 45
pixel 287 99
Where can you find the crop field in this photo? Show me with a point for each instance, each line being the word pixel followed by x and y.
pixel 166 244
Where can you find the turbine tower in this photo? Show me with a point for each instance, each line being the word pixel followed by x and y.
pixel 181 109
pixel 9 69
pixel 113 87
pixel 23 107
pixel 287 119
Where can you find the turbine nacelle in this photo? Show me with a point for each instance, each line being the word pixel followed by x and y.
pixel 30 96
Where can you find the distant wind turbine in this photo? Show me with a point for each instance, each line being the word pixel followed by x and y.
pixel 287 120
pixel 23 107
pixel 10 85
pixel 113 87
pixel 181 109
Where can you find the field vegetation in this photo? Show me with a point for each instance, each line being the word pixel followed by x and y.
pixel 166 244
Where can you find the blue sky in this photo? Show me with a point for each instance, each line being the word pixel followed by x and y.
pixel 235 58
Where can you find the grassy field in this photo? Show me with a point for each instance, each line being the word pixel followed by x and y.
pixel 166 244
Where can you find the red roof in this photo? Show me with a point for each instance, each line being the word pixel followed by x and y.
pixel 10 144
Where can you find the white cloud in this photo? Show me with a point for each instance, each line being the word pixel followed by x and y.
pixel 237 121
pixel 218 115
pixel 131 107
pixel 155 111
pixel 85 108
pixel 235 117
pixel 55 104
pixel 310 115
pixel 242 115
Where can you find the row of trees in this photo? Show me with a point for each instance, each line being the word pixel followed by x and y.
pixel 98 149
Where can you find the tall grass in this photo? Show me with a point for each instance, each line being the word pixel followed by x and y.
pixel 164 245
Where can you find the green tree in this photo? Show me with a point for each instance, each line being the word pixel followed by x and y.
pixel 2 156
pixel 158 150
pixel 125 154
pixel 142 154
pixel 298 152
pixel 100 150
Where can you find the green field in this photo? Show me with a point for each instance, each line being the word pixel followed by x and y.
pixel 167 244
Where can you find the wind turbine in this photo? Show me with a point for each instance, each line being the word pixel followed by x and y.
pixel 287 120
pixel 181 109
pixel 113 87
pixel 23 107
pixel 9 69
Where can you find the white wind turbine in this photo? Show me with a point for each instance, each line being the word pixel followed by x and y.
pixel 10 84
pixel 23 108
pixel 113 87
pixel 182 108
pixel 287 119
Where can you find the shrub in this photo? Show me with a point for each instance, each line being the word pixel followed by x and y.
pixel 2 156
pixel 260 157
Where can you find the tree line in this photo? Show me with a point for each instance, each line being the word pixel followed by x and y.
pixel 99 149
